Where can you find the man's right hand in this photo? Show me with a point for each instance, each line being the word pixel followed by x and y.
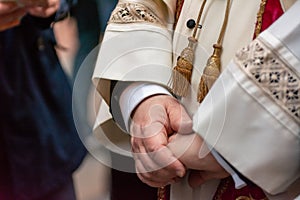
pixel 153 121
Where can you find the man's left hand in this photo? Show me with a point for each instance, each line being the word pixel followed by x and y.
pixel 194 154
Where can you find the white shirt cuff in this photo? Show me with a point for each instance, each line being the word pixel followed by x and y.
pixel 238 182
pixel 136 93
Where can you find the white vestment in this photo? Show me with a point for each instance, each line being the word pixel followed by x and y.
pixel 255 129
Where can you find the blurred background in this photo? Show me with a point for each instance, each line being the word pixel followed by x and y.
pixel 77 36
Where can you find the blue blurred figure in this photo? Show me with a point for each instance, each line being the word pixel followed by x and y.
pixel 40 147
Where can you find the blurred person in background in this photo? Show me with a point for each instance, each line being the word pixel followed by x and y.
pixel 40 148
pixel 92 17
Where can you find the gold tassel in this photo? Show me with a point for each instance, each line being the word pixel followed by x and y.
pixel 210 72
pixel 182 72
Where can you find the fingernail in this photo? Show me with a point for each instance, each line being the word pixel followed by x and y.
pixel 180 173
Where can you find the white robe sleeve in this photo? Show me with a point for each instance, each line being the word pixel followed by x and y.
pixel 251 116
pixel 137 44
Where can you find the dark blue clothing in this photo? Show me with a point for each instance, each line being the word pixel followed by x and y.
pixel 40 147
pixel 92 17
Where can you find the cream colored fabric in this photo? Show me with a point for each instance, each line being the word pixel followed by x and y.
pixel 137 51
pixel 286 4
pixel 128 49
pixel 239 32
pixel 250 131
pixel 263 144
pixel 127 53
pixel 148 52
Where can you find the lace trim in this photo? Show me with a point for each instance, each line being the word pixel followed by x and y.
pixel 270 73
pixel 133 13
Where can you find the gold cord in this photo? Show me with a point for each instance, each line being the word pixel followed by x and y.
pixel 199 18
pixel 213 66
pixel 260 17
pixel 225 22
pixel 181 76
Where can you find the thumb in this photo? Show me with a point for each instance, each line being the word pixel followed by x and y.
pixel 180 120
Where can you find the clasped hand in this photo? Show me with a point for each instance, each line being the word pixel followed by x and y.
pixel 11 12
pixel 164 145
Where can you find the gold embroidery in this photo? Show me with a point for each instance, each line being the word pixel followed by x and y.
pixel 133 13
pixel 179 5
pixel 271 74
pixel 161 193
pixel 260 17
pixel 223 186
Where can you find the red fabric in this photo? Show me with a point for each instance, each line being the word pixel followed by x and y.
pixel 227 191
pixel 273 11
pixel 167 193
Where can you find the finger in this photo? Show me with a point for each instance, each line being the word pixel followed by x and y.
pixel 146 131
pixel 142 149
pixel 180 144
pixel 153 121
pixel 158 114
pixel 7 7
pixel 180 121
pixel 152 151
pixel 160 154
pixel 11 20
pixel 43 3
pixel 163 156
pixel 165 159
pixel 145 145
pixel 156 165
pixel 150 182
pixel 156 168
pixel 146 164
pixel 42 12
pixel 9 25
pixel 12 15
pixel 155 178
pixel 160 163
